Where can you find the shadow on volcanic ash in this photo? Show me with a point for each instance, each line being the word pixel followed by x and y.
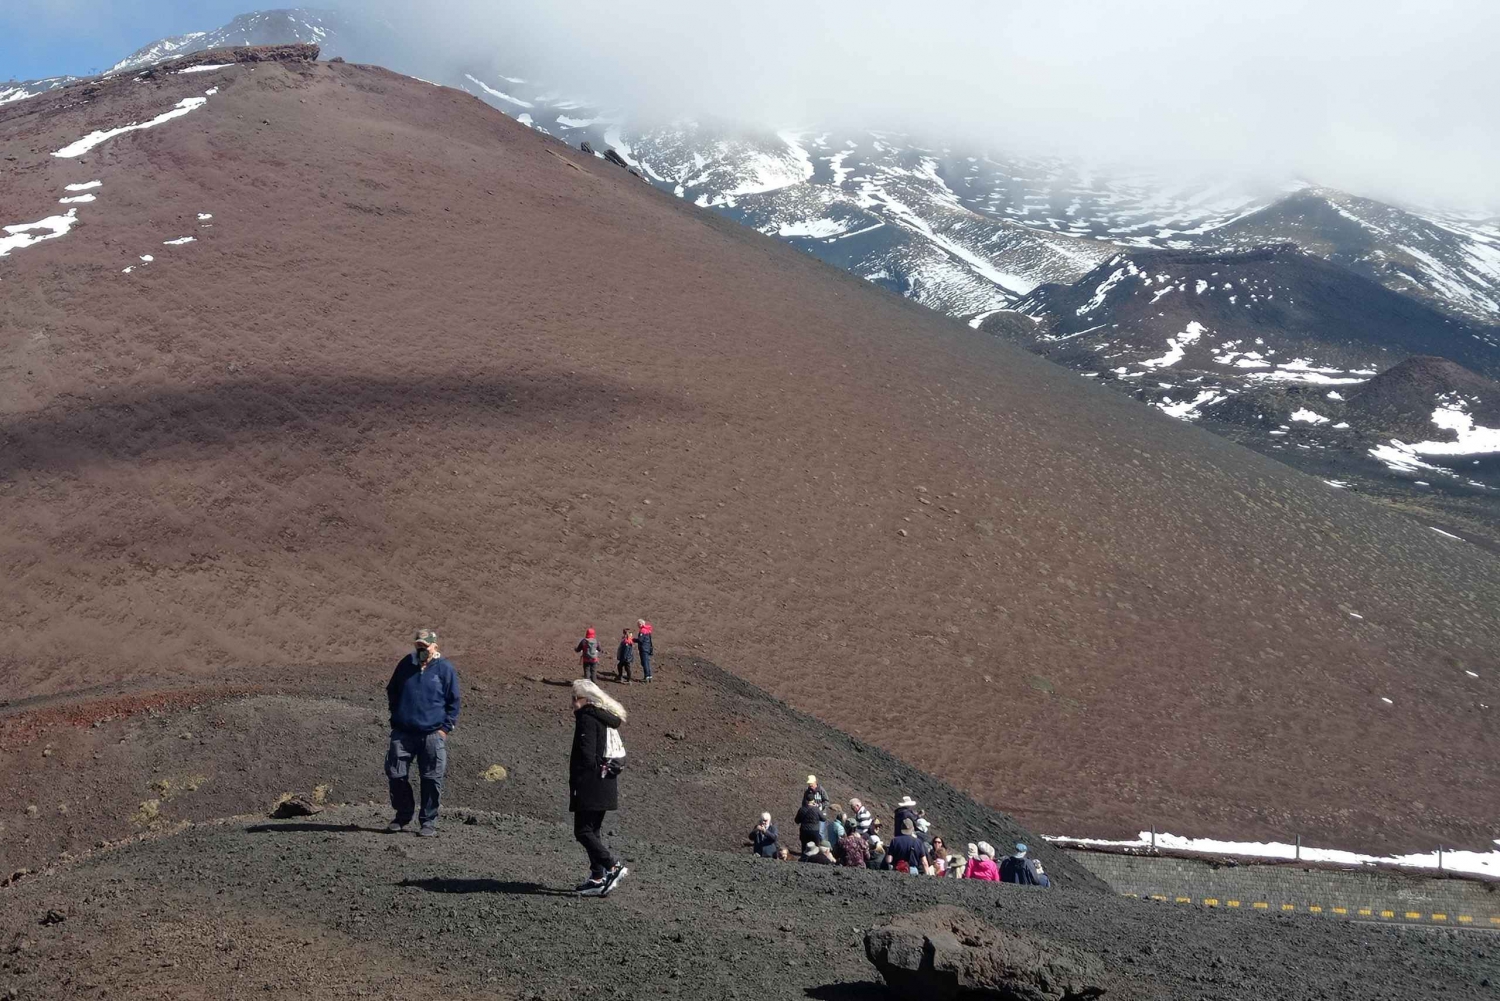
pixel 320 413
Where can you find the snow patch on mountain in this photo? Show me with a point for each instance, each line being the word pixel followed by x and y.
pixel 1472 439
pixel 88 142
pixel 1175 346
pixel 1190 410
pixel 26 234
pixel 497 93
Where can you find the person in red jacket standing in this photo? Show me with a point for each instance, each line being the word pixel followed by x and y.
pixel 588 653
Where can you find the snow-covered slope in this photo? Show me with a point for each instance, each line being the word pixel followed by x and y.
pixel 20 90
pixel 1300 358
pixel 1448 261
pixel 877 204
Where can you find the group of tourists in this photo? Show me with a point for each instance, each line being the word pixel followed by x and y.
pixel 630 643
pixel 424 700
pixel 827 834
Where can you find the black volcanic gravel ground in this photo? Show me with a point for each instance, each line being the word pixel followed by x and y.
pixel 485 906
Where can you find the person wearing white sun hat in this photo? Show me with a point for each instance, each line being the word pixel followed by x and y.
pixel 906 809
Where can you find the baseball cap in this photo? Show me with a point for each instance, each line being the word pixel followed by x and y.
pixel 426 637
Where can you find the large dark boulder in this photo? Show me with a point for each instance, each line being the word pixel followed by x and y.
pixel 947 953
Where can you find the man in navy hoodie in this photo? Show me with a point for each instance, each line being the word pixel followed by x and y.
pixel 423 696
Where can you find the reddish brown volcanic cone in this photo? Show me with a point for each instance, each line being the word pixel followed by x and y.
pixel 425 367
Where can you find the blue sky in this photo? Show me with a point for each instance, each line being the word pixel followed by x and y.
pixel 52 37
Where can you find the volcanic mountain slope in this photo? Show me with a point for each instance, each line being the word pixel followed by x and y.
pixel 1405 399
pixel 1452 264
pixel 1274 314
pixel 1264 346
pixel 420 364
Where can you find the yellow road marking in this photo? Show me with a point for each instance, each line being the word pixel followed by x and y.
pixel 1364 912
pixel 1495 921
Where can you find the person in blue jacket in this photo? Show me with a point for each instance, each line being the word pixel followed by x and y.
pixel 423 696
pixel 1018 868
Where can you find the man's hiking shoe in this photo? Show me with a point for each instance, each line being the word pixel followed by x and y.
pixel 427 831
pixel 612 878
pixel 591 887
pixel 394 827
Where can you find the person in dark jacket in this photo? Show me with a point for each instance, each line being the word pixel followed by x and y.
pixel 593 784
pixel 906 852
pixel 423 698
pixel 763 838
pixel 906 810
pixel 588 653
pixel 625 657
pixel 815 793
pixel 643 644
pixel 1018 868
pixel 809 823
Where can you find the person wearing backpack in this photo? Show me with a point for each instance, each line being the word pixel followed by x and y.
pixel 1018 868
pixel 625 657
pixel 643 644
pixel 588 653
pixel 594 767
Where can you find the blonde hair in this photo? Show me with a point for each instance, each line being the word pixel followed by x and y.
pixel 591 693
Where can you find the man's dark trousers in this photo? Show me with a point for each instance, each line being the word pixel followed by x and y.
pixel 431 752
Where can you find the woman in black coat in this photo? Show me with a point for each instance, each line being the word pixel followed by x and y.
pixel 809 823
pixel 593 783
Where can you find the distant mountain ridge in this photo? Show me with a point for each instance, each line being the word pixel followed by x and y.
pixel 962 231
pixel 1292 355
pixel 324 28
pixel 1451 264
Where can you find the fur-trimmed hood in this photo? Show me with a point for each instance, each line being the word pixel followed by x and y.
pixel 583 688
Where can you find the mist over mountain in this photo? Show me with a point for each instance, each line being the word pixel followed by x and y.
pixel 1371 97
pixel 1365 97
